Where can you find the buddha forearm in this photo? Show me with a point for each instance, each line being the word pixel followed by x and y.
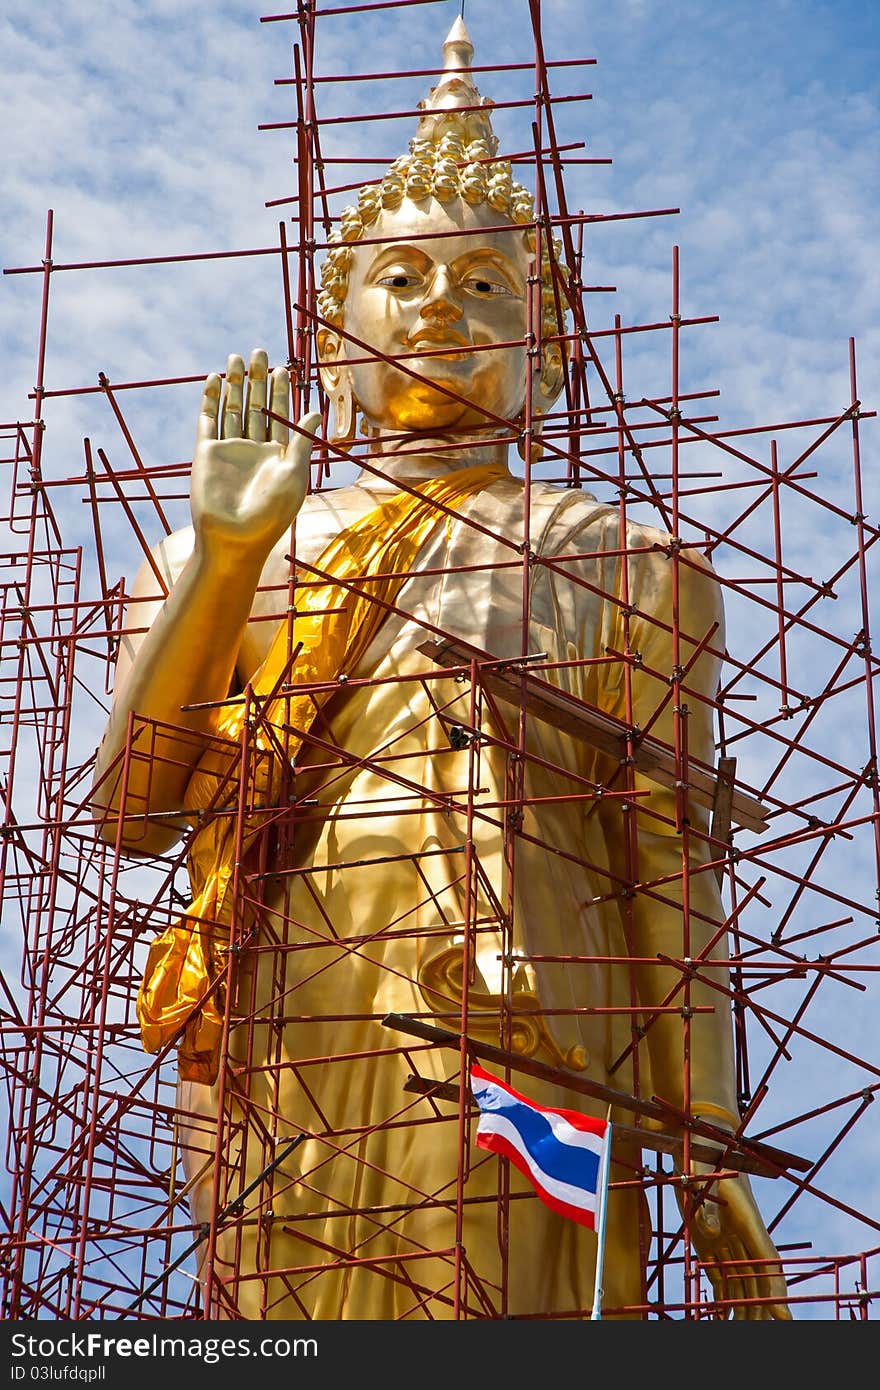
pixel 187 657
pixel 248 482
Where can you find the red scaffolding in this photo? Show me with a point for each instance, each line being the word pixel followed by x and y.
pixel 96 1220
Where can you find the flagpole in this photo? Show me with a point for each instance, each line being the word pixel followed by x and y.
pixel 596 1314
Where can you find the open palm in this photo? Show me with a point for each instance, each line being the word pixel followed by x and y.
pixel 249 477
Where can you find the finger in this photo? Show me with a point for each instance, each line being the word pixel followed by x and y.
pixel 306 427
pixel 279 404
pixel 718 1281
pixel 729 1261
pixel 752 1311
pixel 231 422
pixel 755 1286
pixel 771 1284
pixel 779 1311
pixel 210 409
pixel 299 451
pixel 255 402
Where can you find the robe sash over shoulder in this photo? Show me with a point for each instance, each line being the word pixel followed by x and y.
pixel 183 993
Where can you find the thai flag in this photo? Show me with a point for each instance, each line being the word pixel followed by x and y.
pixel 561 1152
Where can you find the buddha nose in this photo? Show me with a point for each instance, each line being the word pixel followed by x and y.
pixel 440 302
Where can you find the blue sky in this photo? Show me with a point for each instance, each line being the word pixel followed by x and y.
pixel 137 124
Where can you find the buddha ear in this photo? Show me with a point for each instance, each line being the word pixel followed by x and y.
pixel 331 354
pixel 552 377
pixel 336 381
pixel 545 390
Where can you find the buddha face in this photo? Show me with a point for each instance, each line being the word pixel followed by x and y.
pixel 431 300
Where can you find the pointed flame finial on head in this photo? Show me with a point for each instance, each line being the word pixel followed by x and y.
pixel 458 48
pixel 448 107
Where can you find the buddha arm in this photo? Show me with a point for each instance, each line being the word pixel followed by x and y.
pixel 681 915
pixel 248 483
pixel 186 656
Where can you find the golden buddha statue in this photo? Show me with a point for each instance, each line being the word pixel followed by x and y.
pixel 336 875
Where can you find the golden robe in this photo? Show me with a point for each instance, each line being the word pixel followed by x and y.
pixel 364 911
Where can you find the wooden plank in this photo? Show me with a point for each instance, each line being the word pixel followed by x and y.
pixel 653 758
pixel 750 1150
pixel 645 1138
pixel 723 809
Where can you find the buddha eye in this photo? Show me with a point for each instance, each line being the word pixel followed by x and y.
pixel 481 286
pixel 400 280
